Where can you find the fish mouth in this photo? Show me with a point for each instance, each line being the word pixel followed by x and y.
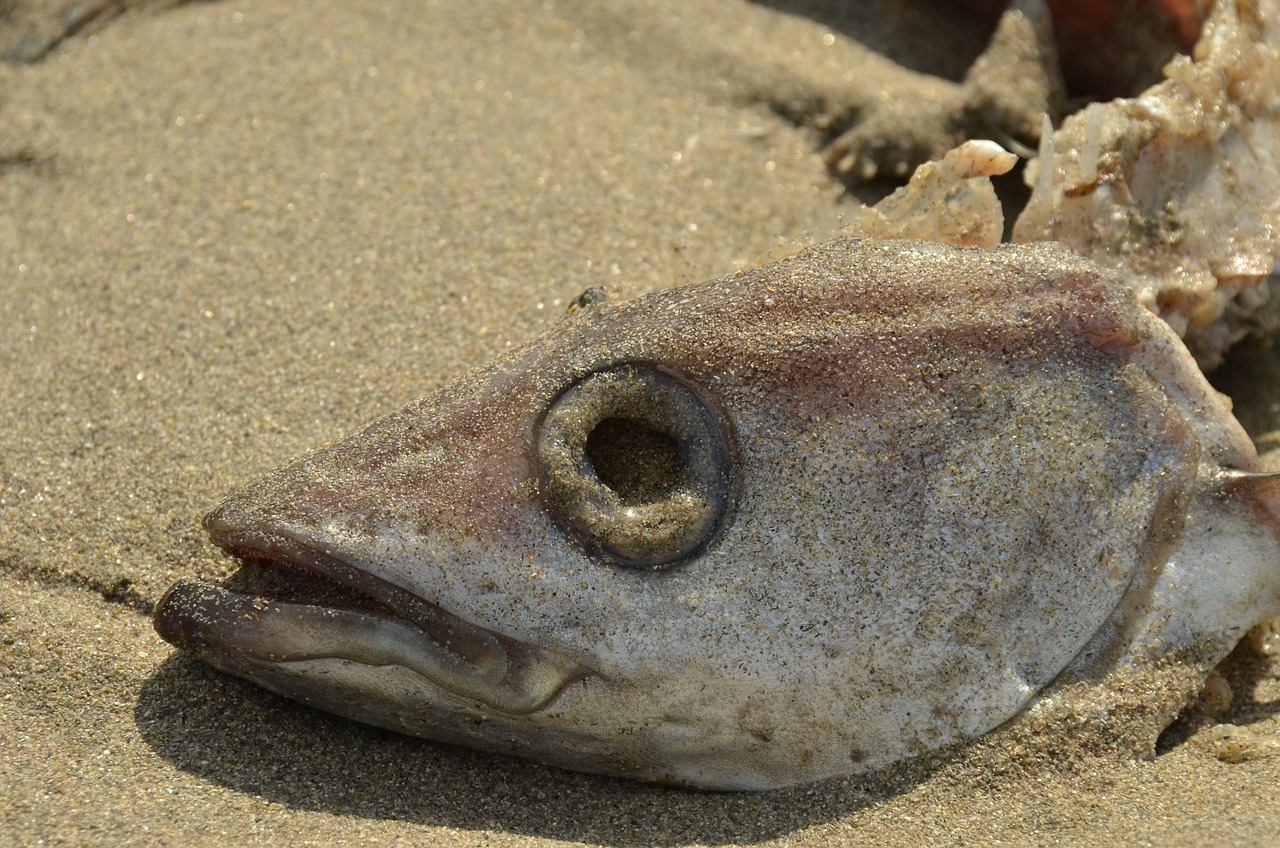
pixel 293 604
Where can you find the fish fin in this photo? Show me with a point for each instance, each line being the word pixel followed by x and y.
pixel 1235 478
pixel 1259 491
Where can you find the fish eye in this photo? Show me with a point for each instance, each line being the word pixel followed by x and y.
pixel 636 465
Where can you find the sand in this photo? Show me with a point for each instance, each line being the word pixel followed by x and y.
pixel 230 232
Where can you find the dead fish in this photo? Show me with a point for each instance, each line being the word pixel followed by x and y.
pixel 805 520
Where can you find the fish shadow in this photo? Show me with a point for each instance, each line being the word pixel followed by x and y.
pixel 251 741
pixel 254 742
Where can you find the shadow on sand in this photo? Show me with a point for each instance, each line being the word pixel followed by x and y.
pixel 251 741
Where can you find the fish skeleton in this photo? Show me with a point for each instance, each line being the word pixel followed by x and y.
pixel 805 520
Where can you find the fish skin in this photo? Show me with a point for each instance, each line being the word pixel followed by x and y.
pixel 955 474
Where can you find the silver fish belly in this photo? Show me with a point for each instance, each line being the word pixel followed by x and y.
pixel 802 521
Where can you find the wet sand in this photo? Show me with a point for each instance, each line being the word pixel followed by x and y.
pixel 232 232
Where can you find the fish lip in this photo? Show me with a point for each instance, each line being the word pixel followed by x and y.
pixel 462 658
pixel 280 549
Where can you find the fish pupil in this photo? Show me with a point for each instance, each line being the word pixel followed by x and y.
pixel 641 464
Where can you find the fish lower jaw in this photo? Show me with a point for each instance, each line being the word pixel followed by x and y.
pixel 261 638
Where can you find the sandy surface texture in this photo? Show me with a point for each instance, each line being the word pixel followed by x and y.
pixel 230 232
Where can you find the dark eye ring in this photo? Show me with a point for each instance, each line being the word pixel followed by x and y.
pixel 636 465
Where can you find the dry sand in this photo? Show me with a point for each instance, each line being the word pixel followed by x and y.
pixel 230 232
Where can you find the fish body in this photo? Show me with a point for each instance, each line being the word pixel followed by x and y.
pixel 805 520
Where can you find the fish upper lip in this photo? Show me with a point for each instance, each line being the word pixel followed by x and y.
pixel 466 659
pixel 286 551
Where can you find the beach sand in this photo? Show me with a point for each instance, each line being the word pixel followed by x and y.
pixel 231 232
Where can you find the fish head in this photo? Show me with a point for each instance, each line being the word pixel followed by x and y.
pixel 804 520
